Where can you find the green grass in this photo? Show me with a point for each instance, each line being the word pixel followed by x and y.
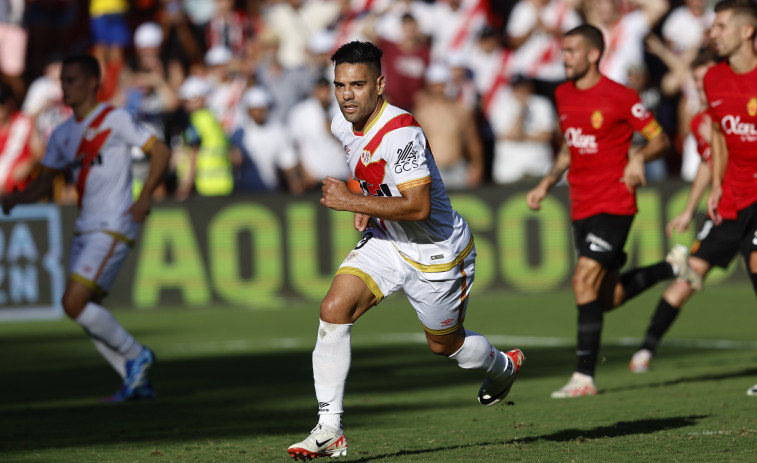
pixel 236 386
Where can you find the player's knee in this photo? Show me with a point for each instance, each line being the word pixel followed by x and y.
pixel 72 305
pixel 335 311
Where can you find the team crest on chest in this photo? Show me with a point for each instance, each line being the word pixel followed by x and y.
pixel 751 107
pixel 366 157
pixel 90 134
pixel 597 119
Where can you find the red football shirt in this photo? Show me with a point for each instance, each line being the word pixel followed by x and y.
pixel 733 105
pixel 597 125
pixel 726 207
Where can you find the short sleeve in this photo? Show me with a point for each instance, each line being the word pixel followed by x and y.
pixel 130 130
pixel 54 157
pixel 641 118
pixel 406 157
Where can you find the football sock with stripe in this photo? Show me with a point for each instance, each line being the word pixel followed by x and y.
pixel 477 353
pixel 637 280
pixel 331 364
pixel 113 342
pixel 663 317
pixel 590 319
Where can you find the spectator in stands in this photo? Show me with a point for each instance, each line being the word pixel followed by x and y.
pixel 287 85
pixel 454 26
pixel 404 64
pixel 51 30
pixel 294 21
pixel 13 39
pixel 182 49
pixel 525 127
pixel 639 80
pixel 227 84
pixel 491 65
pixel 44 99
pixel 687 26
pixel 262 151
pixel 205 167
pixel 534 32
pixel 624 32
pixel 110 34
pixel 229 28
pixel 451 132
pixel 319 152
pixel 20 145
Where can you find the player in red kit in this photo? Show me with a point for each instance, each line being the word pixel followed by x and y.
pixel 731 89
pixel 716 245
pixel 598 118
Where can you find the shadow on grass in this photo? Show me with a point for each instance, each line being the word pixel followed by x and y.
pixel 750 372
pixel 619 429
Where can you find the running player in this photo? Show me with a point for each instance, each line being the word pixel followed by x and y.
pixel 598 118
pixel 731 89
pixel 94 146
pixel 412 240
pixel 715 245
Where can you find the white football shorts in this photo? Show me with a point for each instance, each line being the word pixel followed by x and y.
pixel 97 257
pixel 439 294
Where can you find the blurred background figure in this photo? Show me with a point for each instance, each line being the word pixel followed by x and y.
pixel 639 80
pixel 227 87
pixel 229 28
pixel 534 33
pixel 453 26
pixel 13 40
pixel 525 129
pixel 111 35
pixel 262 151
pixel 203 166
pixel 404 63
pixel 451 132
pixel 687 26
pixel 700 125
pixel 20 146
pixel 319 152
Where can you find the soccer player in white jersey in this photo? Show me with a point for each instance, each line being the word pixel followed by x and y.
pixel 412 240
pixel 94 146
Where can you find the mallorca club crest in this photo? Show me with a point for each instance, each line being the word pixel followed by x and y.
pixel 597 119
pixel 751 107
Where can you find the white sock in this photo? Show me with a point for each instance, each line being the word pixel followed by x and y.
pixel 110 338
pixel 478 354
pixel 331 363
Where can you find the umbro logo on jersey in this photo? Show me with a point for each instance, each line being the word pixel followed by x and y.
pixel 407 159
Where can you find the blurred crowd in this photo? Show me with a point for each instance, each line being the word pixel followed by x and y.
pixel 242 90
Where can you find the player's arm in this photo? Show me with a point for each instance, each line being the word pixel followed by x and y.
pixel 413 205
pixel 656 146
pixel 654 10
pixel 719 161
pixel 701 181
pixel 159 154
pixel 41 186
pixel 540 191
pixel 474 150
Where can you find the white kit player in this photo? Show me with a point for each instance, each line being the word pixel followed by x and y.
pixel 412 240
pixel 94 147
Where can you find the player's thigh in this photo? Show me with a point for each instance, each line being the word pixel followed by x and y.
pixel 440 299
pixel 716 245
pixel 748 221
pixel 96 258
pixel 602 237
pixel 370 272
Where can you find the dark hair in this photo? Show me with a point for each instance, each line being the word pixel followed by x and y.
pixel 741 8
pixel 87 63
pixel 6 94
pixel 591 35
pixel 359 53
pixel 704 57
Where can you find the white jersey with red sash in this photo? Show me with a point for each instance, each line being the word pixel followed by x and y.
pixel 392 155
pixel 96 152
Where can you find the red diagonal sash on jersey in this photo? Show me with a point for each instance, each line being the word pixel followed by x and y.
pixel 89 148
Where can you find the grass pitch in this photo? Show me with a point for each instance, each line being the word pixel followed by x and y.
pixel 236 386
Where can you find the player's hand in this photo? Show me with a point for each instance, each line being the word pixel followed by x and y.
pixel 361 221
pixel 679 223
pixel 716 192
pixel 336 195
pixel 140 210
pixel 535 196
pixel 9 202
pixel 633 174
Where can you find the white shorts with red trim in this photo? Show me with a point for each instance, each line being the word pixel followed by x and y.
pixel 97 257
pixel 439 294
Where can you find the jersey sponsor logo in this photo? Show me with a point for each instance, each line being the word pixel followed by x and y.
pixel 751 107
pixel 639 111
pixel 732 125
pixel 407 159
pixel 575 138
pixel 597 244
pixel 597 119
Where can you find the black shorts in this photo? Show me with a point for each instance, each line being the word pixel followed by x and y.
pixel 747 220
pixel 717 245
pixel 602 237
